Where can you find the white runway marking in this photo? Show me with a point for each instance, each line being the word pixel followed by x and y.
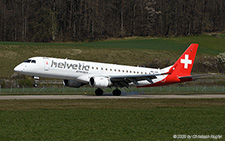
pixel 199 96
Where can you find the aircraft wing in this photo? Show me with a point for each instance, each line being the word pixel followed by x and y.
pixel 124 80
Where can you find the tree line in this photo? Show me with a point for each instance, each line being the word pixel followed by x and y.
pixel 78 20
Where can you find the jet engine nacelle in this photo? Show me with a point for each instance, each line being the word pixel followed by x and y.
pixel 72 83
pixel 100 82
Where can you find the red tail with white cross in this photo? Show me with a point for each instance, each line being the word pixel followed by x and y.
pixel 181 70
pixel 184 64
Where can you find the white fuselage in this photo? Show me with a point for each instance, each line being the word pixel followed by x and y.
pixel 82 71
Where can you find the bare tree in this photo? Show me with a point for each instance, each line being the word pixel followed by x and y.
pixel 78 20
pixel 151 16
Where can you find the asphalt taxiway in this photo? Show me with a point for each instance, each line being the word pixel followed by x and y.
pixel 23 97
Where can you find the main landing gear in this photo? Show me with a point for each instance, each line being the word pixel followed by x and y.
pixel 115 92
pixel 99 92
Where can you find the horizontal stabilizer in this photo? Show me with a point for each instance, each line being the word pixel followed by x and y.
pixel 193 76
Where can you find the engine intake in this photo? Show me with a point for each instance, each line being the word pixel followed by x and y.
pixel 100 82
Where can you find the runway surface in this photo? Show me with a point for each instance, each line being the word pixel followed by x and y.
pixel 18 97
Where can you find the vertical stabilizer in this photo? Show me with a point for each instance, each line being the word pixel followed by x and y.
pixel 184 64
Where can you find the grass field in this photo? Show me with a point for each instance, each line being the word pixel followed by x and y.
pixel 142 50
pixel 135 119
pixel 209 44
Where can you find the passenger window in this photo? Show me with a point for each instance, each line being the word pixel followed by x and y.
pixel 33 61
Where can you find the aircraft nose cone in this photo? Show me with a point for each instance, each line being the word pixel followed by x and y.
pixel 18 68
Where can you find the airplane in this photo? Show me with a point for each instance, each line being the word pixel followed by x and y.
pixel 76 73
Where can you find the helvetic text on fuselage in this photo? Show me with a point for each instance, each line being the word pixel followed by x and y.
pixel 79 67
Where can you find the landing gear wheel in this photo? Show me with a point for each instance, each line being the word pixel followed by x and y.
pixel 116 92
pixel 99 92
pixel 35 85
pixel 36 80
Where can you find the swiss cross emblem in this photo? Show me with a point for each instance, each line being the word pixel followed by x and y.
pixel 186 61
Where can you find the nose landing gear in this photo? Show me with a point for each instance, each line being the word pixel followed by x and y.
pixel 36 80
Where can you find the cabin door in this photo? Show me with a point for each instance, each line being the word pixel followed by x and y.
pixel 46 64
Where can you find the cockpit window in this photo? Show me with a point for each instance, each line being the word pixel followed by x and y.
pixel 30 61
pixel 27 61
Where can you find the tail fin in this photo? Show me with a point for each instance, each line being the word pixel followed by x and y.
pixel 184 64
